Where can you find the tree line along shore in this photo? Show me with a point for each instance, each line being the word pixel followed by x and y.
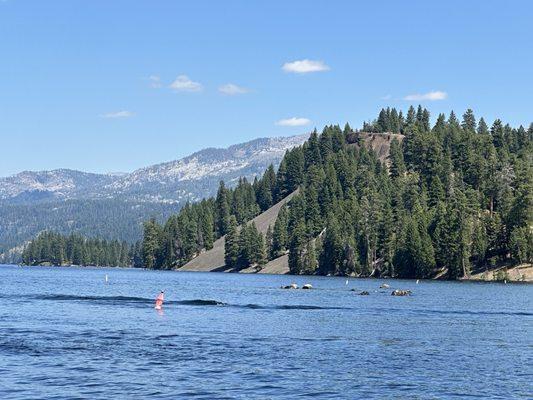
pixel 398 198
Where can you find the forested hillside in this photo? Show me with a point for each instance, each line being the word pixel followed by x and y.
pixel 106 219
pixel 114 206
pixel 450 198
pixel 55 249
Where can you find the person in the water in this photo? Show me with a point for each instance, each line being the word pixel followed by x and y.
pixel 159 300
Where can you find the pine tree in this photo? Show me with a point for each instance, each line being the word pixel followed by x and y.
pixel 479 242
pixel 268 243
pixel 231 246
pixel 332 257
pixel 312 211
pixel 437 192
pixel 395 121
pixel 266 189
pixel 151 244
pixel 245 247
pixel 295 169
pixel 282 185
pixel 257 247
pixel 498 137
pixel 309 259
pixel 280 233
pixel 222 209
pixel 397 164
pixel 368 229
pixel 312 154
pixel 383 123
pixel 207 224
pixel 521 244
pixel 297 246
pixel 482 127
pixel 469 121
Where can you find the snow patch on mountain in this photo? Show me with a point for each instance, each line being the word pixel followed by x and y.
pixel 60 182
pixel 189 178
pixel 243 159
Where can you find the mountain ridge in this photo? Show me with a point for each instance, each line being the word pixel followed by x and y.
pixel 66 183
pixel 62 199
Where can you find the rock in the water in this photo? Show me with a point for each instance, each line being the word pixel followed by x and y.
pixel 384 286
pixel 307 286
pixel 399 292
pixel 364 293
pixel 291 286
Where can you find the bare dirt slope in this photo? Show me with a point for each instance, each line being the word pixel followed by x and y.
pixel 213 260
pixel 279 266
pixel 520 273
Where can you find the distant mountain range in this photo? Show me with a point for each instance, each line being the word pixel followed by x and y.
pixel 189 178
pixel 114 205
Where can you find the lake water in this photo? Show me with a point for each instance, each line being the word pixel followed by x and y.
pixel 66 333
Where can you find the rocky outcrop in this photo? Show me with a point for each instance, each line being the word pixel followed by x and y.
pixel 399 292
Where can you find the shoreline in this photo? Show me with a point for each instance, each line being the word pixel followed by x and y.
pixel 522 273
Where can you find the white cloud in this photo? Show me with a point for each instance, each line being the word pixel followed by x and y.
pixel 184 84
pixel 387 97
pixel 155 81
pixel 231 89
pixel 305 66
pixel 118 114
pixel 431 96
pixel 294 121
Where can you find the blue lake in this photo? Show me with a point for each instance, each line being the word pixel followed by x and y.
pixel 65 333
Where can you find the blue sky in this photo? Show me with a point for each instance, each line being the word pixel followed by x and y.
pixel 116 85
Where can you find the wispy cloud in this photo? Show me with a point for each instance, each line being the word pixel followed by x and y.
pixel 118 114
pixel 231 89
pixel 431 96
pixel 386 97
pixel 184 84
pixel 294 121
pixel 155 81
pixel 305 66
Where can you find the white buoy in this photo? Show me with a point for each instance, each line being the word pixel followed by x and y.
pixel 346 281
pixel 417 281
pixel 106 278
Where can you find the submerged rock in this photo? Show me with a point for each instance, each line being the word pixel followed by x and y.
pixel 399 292
pixel 307 286
pixel 291 286
pixel 364 293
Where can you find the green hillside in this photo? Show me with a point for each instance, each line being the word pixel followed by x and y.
pixel 400 198
pixel 447 199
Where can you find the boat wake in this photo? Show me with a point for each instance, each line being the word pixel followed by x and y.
pixel 132 300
